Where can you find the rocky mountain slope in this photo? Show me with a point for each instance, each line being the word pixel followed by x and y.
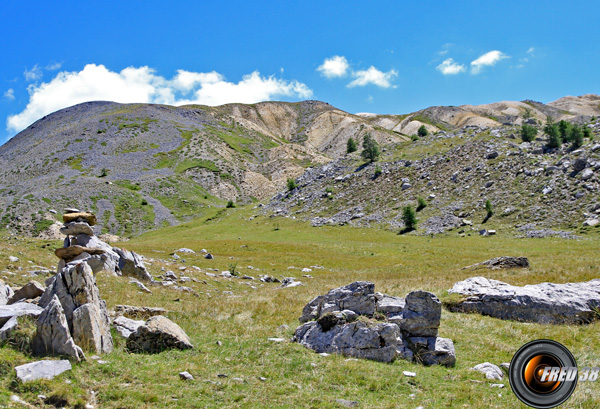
pixel 139 166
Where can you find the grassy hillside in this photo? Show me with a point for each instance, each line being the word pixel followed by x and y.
pixel 294 376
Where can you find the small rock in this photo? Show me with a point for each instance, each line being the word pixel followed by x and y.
pixel 276 339
pixel 591 222
pixel 13 259
pixel 29 291
pixel 497 385
pixel 347 403
pixel 46 369
pixel 186 376
pixel 209 256
pixel 409 374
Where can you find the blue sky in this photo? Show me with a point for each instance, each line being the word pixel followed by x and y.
pixel 390 57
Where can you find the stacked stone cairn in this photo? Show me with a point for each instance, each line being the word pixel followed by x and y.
pixel 355 321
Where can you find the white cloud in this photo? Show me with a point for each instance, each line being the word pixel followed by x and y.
pixel 450 67
pixel 336 66
pixel 142 84
pixel 33 74
pixel 373 76
pixel 53 66
pixel 488 59
pixel 531 50
pixel 10 94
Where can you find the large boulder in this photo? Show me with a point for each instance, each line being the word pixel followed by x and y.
pixel 52 336
pixel 546 303
pixel 421 315
pixel 5 292
pixel 85 311
pixel 378 342
pixel 358 297
pixel 158 334
pixel 46 369
pixel 409 332
pixel 132 265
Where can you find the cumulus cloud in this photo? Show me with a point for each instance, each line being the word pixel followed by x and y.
pixel 33 74
pixel 486 60
pixel 336 66
pixel 450 67
pixel 373 76
pixel 142 84
pixel 9 94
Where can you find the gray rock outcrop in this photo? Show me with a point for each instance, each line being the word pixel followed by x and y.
pixel 18 310
pixel 131 264
pixel 501 262
pixel 5 293
pixel 126 326
pixel 158 334
pixel 29 291
pixel 84 310
pixel 53 336
pixel 46 369
pixel 332 324
pixel 547 303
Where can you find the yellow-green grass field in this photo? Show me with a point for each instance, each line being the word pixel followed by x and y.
pixel 293 376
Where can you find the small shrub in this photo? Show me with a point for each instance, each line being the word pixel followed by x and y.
pixel 554 138
pixel 422 131
pixel 378 171
pixel 576 136
pixel 291 184
pixel 421 204
pixel 409 217
pixel 528 132
pixel 233 269
pixel 351 146
pixel 414 138
pixel 144 202
pixel 103 173
pixel 587 132
pixel 230 204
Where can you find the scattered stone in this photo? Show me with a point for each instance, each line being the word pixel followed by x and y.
pixel 71 210
pixel 276 339
pixel 158 334
pixel 29 291
pixel 501 262
pixel 290 282
pixel 587 174
pixel 497 385
pixel 347 403
pixel 75 228
pixel 546 303
pixel 186 376
pixel 130 311
pixel 491 155
pixel 125 326
pixel 89 218
pixel 46 369
pixel 185 250
pixel 209 256
pixel 409 374
pixel 13 259
pixel 579 164
pixel 139 284
pixel 490 371
pixel 591 222
pixel 132 265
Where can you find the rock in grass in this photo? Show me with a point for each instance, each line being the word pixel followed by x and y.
pixel 131 311
pixel 132 265
pixel 186 376
pixel 17 310
pixel 490 371
pixel 46 369
pixel 347 403
pixel 545 303
pixel 158 334
pixel 126 326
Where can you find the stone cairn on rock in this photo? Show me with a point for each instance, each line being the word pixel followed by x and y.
pixel 341 322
